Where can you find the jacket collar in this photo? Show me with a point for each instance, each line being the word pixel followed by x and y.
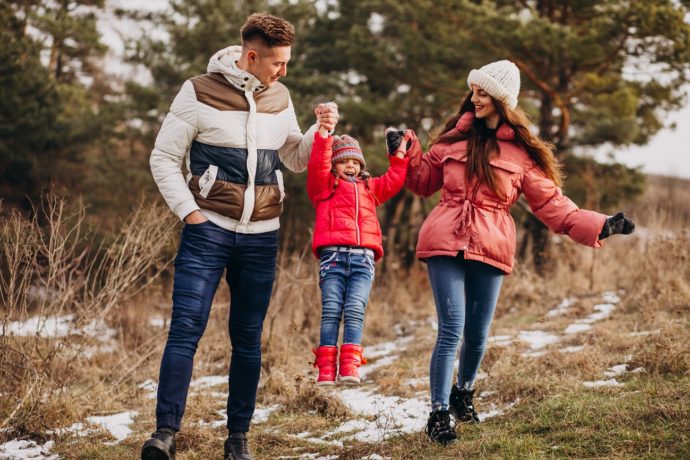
pixel 504 132
pixel 224 62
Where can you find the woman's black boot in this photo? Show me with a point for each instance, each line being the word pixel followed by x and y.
pixel 439 427
pixel 461 405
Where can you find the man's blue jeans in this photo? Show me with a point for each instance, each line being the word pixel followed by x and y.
pixel 205 252
pixel 345 281
pixel 465 293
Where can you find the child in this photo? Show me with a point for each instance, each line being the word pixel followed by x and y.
pixel 347 239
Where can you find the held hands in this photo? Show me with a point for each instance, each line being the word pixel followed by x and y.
pixel 327 117
pixel 394 141
pixel 617 224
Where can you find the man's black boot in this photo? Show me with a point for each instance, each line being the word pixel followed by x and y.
pixel 160 446
pixel 237 447
pixel 439 427
pixel 461 405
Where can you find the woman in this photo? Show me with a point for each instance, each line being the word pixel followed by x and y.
pixel 483 159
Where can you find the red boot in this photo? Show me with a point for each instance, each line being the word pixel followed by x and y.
pixel 326 361
pixel 350 360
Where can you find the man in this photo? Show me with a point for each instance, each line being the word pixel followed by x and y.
pixel 235 126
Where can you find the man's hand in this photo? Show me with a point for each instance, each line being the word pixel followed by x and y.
pixel 327 115
pixel 617 224
pixel 195 217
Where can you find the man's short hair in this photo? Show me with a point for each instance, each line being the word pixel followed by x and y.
pixel 271 30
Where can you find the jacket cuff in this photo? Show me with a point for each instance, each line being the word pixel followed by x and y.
pixel 322 143
pixel 395 161
pixel 185 208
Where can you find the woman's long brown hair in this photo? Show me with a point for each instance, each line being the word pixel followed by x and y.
pixel 482 144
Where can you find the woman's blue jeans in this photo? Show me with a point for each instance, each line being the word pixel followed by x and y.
pixel 205 252
pixel 345 279
pixel 465 293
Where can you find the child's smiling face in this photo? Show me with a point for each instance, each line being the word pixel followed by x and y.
pixel 348 167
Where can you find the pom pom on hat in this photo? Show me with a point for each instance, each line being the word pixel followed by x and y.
pixel 345 148
pixel 501 79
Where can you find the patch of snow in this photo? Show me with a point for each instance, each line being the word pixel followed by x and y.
pixel 614 371
pixel 78 429
pixel 610 297
pixel 17 449
pixel 157 321
pixel 501 340
pixel 209 381
pixel 577 327
pixel 486 394
pixel 537 339
pixel 572 349
pixel 644 333
pixel 602 383
pixel 495 411
pixel 368 368
pixel 387 348
pixel 117 425
pixel 533 354
pixel 393 415
pixel 602 311
pixel 374 457
pixel 59 326
pixel 561 307
pixel 637 370
pixel 261 414
pixel 56 326
pixel 150 387
pixel 417 382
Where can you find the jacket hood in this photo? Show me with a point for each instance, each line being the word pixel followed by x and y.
pixel 504 132
pixel 224 62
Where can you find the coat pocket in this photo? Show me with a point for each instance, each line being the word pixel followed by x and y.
pixel 281 184
pixel 207 180
pixel 508 175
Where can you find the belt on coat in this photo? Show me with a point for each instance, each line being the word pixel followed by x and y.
pixel 350 249
pixel 468 206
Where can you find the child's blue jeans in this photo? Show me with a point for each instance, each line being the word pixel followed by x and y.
pixel 345 279
pixel 465 293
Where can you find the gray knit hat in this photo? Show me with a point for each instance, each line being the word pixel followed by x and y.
pixel 501 79
pixel 346 147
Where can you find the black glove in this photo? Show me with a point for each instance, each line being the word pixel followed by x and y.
pixel 617 224
pixel 393 139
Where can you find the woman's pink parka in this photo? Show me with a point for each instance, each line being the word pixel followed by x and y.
pixel 471 218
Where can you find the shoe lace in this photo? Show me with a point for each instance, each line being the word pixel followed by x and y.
pixel 469 406
pixel 442 423
pixel 240 444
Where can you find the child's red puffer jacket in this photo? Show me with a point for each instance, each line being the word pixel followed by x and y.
pixel 346 211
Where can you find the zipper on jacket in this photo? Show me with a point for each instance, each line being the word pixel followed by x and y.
pixel 357 213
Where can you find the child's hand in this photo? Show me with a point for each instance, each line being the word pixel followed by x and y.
pixel 327 116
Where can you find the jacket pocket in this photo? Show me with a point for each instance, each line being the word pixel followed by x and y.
pixel 281 184
pixel 508 175
pixel 207 180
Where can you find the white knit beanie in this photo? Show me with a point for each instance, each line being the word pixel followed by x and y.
pixel 501 79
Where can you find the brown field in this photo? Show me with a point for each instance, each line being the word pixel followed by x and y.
pixel 50 383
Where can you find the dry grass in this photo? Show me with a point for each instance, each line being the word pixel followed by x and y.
pixel 53 383
pixel 50 271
